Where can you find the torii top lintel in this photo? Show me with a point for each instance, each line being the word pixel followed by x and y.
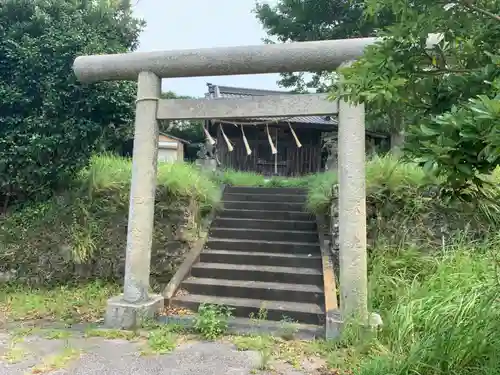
pixel 269 58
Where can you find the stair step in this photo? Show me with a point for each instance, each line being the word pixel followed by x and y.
pixel 259 290
pixel 264 246
pixel 264 215
pixel 228 222
pixel 265 190
pixel 240 197
pixel 264 206
pixel 261 259
pixel 265 234
pixel 293 275
pixel 276 310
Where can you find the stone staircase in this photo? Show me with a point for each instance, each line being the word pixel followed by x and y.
pixel 262 253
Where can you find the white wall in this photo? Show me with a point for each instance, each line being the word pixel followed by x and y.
pixel 167 152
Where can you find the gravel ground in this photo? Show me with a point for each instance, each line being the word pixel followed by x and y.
pixel 100 356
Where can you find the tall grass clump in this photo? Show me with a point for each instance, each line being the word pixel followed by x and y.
pixel 405 205
pixel 433 271
pixel 383 173
pixel 82 233
pixel 174 180
pixel 441 310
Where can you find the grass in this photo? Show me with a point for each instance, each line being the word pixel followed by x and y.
pixel 57 361
pixel 441 311
pixel 14 353
pixel 56 334
pixel 432 275
pixel 111 334
pixel 64 303
pixel 263 344
pixel 81 233
pixel 404 205
pixel 109 172
pixel 432 269
pixel 241 178
pixel 328 357
pixel 383 174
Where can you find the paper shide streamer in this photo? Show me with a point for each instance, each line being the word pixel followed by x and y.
pixel 208 136
pixel 230 146
pixel 245 141
pixel 299 145
pixel 273 147
pixel 226 139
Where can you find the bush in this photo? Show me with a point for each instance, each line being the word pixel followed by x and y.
pixel 51 124
pixel 82 234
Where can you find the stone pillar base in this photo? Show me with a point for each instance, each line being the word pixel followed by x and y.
pixel 333 325
pixel 125 315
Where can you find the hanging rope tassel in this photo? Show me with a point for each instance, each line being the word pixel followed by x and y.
pixel 209 137
pixel 273 148
pixel 229 145
pixel 299 145
pixel 245 141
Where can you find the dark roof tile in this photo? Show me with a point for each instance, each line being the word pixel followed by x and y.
pixel 226 92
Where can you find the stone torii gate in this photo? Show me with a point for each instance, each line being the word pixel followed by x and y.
pixel 148 68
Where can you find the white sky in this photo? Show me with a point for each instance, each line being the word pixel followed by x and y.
pixel 190 24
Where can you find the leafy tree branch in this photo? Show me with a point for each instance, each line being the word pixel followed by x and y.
pixel 447 96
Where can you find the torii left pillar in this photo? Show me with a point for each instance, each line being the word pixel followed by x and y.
pixel 126 311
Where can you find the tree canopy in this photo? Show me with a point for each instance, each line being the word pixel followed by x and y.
pixel 447 93
pixel 49 123
pixel 310 20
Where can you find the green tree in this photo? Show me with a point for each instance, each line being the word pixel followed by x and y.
pixel 448 93
pixel 49 123
pixel 310 20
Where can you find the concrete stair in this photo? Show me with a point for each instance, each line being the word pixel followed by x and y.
pixel 262 253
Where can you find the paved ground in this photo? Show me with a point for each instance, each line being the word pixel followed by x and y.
pixel 100 356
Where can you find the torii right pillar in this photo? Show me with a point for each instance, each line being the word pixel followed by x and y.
pixel 352 213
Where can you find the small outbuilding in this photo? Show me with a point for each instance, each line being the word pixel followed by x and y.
pixel 170 148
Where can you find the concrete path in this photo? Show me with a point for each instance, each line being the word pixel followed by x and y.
pixel 100 356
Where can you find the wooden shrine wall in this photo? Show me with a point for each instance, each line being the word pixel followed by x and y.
pixel 291 160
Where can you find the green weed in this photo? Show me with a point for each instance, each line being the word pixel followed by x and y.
pixel 111 334
pixel 212 321
pixel 264 344
pixel 161 341
pixel 288 328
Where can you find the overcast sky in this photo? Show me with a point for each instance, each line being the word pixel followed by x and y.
pixel 187 24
